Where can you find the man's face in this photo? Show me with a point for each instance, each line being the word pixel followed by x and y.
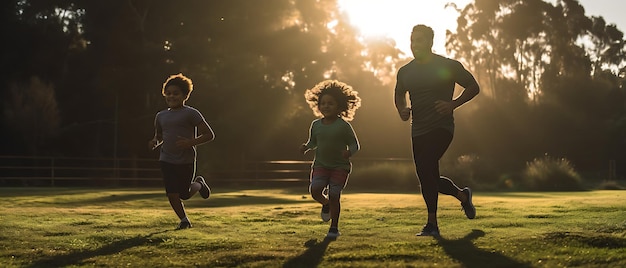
pixel 421 44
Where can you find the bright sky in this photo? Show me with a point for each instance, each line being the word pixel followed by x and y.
pixel 395 18
pixel 611 10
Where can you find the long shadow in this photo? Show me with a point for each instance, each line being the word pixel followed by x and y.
pixel 244 200
pixel 78 257
pixel 465 252
pixel 311 257
pixel 222 201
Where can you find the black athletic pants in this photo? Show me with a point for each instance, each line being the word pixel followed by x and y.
pixel 427 150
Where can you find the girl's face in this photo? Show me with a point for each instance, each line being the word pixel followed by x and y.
pixel 328 106
pixel 174 97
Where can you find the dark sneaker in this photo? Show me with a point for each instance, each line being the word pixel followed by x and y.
pixel 468 207
pixel 183 225
pixel 429 230
pixel 205 191
pixel 333 233
pixel 325 214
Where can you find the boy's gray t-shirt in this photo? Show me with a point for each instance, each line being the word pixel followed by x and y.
pixel 427 83
pixel 172 124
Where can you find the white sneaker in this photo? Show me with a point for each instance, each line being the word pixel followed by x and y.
pixel 333 233
pixel 468 207
pixel 205 191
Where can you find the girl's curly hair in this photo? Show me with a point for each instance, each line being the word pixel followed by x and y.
pixel 347 98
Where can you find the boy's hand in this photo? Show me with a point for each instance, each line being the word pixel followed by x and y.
pixel 184 143
pixel 303 149
pixel 153 144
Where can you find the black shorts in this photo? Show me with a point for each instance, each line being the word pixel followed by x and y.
pixel 177 178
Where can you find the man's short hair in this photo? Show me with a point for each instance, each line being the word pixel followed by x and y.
pixel 424 29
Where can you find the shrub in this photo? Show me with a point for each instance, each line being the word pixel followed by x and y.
pixel 551 174
pixel 384 175
pixel 610 185
pixel 474 171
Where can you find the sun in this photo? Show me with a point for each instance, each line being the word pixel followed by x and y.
pixel 395 19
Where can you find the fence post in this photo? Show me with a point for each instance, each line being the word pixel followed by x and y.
pixel 52 171
pixel 612 171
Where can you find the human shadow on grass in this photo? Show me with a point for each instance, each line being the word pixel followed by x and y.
pixel 118 197
pixel 465 252
pixel 77 258
pixel 311 257
pixel 218 201
pixel 245 199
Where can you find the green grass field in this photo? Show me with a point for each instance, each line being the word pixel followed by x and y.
pixel 71 227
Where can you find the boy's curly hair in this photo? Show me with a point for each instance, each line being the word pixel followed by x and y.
pixel 347 98
pixel 184 83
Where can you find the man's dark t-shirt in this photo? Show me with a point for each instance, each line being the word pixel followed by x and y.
pixel 427 83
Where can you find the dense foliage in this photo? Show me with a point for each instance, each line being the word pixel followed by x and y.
pixel 83 78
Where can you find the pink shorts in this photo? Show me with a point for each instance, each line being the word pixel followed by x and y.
pixel 335 179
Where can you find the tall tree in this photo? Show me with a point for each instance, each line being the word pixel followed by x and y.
pixel 545 67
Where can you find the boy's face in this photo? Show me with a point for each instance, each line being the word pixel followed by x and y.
pixel 174 97
pixel 328 106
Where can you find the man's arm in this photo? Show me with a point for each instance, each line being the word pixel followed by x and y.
pixel 468 93
pixel 403 110
pixel 447 107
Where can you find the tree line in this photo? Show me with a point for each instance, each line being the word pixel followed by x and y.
pixel 83 78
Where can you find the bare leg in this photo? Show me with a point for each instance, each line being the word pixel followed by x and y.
pixel 177 205
pixel 335 209
pixel 316 193
pixel 194 188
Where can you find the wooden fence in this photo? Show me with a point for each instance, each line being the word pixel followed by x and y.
pixel 67 171
pixel 75 171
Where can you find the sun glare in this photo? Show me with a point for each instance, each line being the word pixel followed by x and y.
pixel 395 19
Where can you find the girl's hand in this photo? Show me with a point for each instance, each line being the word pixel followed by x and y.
pixel 405 113
pixel 346 154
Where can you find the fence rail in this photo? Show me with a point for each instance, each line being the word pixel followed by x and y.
pixel 55 171
pixel 69 171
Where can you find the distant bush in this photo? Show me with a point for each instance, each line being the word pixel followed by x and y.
pixel 473 171
pixel 551 174
pixel 610 185
pixel 384 175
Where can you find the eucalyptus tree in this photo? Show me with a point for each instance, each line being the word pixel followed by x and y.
pixel 41 41
pixel 250 61
pixel 545 67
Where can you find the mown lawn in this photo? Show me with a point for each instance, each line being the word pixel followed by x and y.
pixel 72 227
